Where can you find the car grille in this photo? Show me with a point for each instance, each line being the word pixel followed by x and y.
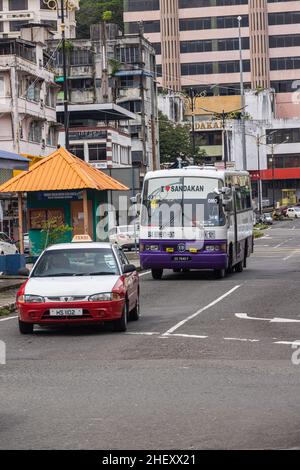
pixel 67 298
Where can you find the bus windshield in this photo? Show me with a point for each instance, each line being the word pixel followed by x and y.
pixel 182 202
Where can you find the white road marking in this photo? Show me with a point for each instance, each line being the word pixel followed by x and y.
pixel 8 318
pixel 182 322
pixel 292 254
pixel 286 342
pixel 243 339
pixel 144 274
pixel 245 316
pixel 146 333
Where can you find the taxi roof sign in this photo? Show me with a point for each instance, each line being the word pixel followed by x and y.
pixel 81 238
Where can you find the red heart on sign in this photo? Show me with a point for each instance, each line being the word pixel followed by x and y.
pixel 168 188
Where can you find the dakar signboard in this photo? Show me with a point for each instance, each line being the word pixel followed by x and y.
pixel 208 125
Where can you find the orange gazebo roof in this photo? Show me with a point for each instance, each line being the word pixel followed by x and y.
pixel 61 171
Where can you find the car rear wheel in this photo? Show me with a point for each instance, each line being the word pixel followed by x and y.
pixel 25 328
pixel 157 273
pixel 135 313
pixel 120 325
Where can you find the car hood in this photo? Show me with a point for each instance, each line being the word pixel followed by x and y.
pixel 56 286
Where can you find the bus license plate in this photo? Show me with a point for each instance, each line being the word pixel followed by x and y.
pixel 66 312
pixel 181 258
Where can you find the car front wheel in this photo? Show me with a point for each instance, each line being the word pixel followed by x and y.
pixel 120 325
pixel 25 328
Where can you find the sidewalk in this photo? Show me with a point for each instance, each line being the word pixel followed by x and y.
pixel 7 301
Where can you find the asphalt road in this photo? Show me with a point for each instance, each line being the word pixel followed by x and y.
pixel 209 366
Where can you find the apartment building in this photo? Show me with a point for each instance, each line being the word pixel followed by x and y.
pixel 197 45
pixel 116 71
pixel 27 94
pixel 15 13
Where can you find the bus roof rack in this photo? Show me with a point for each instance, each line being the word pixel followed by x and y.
pixel 203 167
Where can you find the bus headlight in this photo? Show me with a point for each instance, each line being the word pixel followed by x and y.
pixel 216 248
pixel 151 247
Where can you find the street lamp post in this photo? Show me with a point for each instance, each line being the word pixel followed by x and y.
pixel 242 96
pixel 259 185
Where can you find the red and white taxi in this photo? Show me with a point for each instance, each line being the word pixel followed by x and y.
pixel 79 283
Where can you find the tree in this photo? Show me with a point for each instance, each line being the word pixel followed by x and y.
pixel 175 141
pixel 94 11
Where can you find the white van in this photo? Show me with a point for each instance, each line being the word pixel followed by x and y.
pixel 7 246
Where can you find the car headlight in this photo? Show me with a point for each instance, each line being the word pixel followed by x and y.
pixel 33 299
pixel 105 297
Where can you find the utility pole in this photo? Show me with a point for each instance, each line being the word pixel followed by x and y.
pixel 66 87
pixel 192 100
pixel 259 185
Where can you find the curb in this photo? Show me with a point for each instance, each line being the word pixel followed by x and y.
pixel 11 286
pixel 6 310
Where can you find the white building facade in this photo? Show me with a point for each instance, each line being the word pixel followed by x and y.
pixel 27 96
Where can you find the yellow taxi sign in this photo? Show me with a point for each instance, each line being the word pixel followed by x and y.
pixel 81 238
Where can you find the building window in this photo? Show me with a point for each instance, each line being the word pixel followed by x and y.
pixel 31 89
pixel 285 63
pixel 202 68
pixel 97 152
pixel 284 161
pixel 18 4
pixel 127 82
pixel 286 136
pixel 210 3
pixel 290 40
pixel 148 26
pixel 132 106
pixel 52 24
pixel 2 86
pixel 51 97
pixel 157 47
pixel 129 55
pixel 52 136
pixel 215 22
pixel 35 132
pixel 288 17
pixel 141 5
pixel 77 150
pixel 17 25
pixel 81 84
pixel 284 86
pixel 1 26
pixel 1 5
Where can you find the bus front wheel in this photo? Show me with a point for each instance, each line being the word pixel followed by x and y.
pixel 157 273
pixel 220 273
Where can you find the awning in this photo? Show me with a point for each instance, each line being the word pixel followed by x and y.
pixel 13 161
pixel 61 171
pixel 97 112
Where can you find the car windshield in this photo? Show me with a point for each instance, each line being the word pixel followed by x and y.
pixel 76 262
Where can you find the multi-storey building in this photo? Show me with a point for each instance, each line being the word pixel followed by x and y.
pixel 27 94
pixel 116 71
pixel 197 45
pixel 198 51
pixel 16 13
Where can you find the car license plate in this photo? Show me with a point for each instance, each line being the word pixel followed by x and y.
pixel 181 258
pixel 66 312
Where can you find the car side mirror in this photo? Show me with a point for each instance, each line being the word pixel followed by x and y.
pixel 129 268
pixel 24 272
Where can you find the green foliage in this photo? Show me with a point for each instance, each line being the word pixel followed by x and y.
pixel 53 231
pixel 94 11
pixel 107 16
pixel 115 66
pixel 176 141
